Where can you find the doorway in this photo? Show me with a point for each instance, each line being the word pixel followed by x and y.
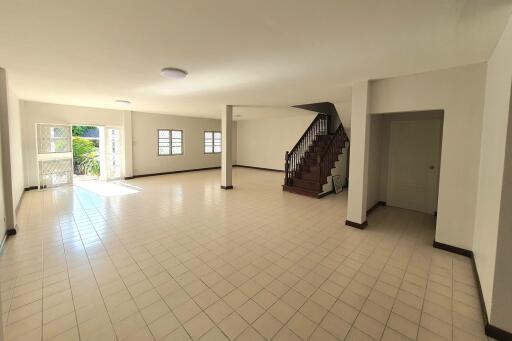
pixel 86 152
pixel 68 154
pixel 405 159
pixel 414 160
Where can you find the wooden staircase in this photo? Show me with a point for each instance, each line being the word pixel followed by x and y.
pixel 308 165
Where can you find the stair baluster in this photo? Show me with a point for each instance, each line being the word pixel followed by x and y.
pixel 331 152
pixel 293 159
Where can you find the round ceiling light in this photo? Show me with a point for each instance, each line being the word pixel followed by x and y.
pixel 173 73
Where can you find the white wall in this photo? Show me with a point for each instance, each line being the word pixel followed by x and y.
pixel 139 137
pixel 502 295
pixel 3 107
pixel 490 181
pixel 344 110
pixel 459 92
pixel 35 112
pixel 145 142
pixel 16 144
pixel 235 141
pixel 377 162
pixel 8 109
pixel 264 142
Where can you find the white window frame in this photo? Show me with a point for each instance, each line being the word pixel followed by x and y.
pixel 215 142
pixel 170 142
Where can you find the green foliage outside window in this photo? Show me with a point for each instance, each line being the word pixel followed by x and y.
pixel 80 130
pixel 85 157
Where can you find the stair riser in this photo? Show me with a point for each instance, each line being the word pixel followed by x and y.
pixel 306 184
pixel 311 176
pixel 307 177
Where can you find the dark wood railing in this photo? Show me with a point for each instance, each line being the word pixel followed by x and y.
pixel 330 155
pixel 293 158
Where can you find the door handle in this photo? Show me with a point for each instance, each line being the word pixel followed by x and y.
pixel 431 167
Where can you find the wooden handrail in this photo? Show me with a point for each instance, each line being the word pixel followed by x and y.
pixel 317 117
pixel 293 158
pixel 340 127
pixel 330 154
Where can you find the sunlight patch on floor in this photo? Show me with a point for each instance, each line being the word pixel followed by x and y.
pixel 107 189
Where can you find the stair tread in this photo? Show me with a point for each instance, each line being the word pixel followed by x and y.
pixel 306 179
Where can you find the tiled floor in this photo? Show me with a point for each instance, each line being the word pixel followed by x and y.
pixel 177 258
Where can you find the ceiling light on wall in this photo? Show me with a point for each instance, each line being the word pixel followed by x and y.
pixel 123 102
pixel 173 73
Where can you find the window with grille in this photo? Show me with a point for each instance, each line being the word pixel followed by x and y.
pixel 170 142
pixel 212 142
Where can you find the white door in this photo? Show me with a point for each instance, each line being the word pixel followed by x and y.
pixel 414 159
pixel 113 153
pixel 54 155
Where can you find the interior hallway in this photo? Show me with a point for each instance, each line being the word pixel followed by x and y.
pixel 177 258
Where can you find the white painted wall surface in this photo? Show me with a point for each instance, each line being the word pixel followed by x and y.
pixel 344 110
pixel 35 112
pixel 3 101
pixel 16 145
pixel 7 176
pixel 145 142
pixel 127 144
pixel 502 295
pixel 263 142
pixel 377 161
pixel 459 91
pixel 494 132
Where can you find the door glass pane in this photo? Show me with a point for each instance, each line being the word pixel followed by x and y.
pixel 114 153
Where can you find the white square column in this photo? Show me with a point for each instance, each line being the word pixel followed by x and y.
pixel 226 181
pixel 359 154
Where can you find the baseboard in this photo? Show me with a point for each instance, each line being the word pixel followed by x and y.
pixel 377 204
pixel 173 172
pixel 7 234
pixel 2 243
pixel 261 168
pixel 356 225
pixel 321 195
pixel 30 188
pixel 19 202
pixel 490 330
pixel 453 249
pixel 497 333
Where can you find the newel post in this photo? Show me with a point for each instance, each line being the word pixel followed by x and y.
pixel 286 167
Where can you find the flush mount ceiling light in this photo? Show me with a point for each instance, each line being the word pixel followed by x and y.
pixel 123 102
pixel 173 73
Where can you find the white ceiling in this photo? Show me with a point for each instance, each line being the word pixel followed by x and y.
pixel 245 52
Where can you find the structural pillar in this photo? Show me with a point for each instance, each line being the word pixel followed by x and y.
pixel 127 139
pixel 359 153
pixel 5 158
pixel 227 150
